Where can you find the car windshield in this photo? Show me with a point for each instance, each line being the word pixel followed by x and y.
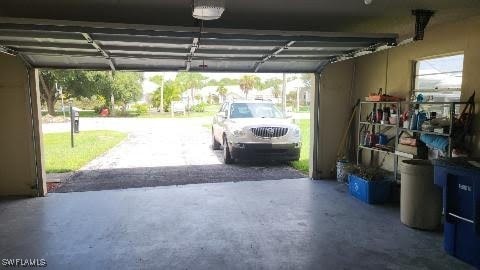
pixel 254 110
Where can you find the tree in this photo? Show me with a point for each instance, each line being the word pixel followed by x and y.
pixel 291 99
pixel 171 91
pixel 159 80
pixel 74 83
pixel 222 91
pixel 257 83
pixel 228 81
pixel 247 83
pixel 190 80
pixel 124 86
pixel 212 82
pixel 275 84
pixel 127 87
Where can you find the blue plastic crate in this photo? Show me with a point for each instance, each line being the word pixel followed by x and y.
pixel 461 201
pixel 372 192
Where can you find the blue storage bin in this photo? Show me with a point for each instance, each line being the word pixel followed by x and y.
pixel 461 203
pixel 372 192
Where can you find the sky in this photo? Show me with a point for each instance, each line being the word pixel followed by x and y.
pixel 149 87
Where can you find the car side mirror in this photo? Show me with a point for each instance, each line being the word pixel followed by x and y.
pixel 222 115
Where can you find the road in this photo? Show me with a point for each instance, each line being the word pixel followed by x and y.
pixel 161 152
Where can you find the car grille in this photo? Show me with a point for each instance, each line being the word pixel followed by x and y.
pixel 269 132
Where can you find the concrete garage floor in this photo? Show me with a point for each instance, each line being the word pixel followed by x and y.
pixel 284 224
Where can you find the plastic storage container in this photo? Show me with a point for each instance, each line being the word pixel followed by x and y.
pixel 460 179
pixel 420 198
pixel 372 192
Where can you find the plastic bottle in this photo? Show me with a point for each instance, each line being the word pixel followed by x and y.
pixel 421 117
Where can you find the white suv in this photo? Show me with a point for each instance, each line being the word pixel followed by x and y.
pixel 254 130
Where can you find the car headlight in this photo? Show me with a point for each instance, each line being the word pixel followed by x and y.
pixel 238 132
pixel 296 132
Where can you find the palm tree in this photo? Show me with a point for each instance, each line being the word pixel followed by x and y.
pixel 222 91
pixel 247 82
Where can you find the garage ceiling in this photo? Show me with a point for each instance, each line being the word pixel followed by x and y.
pixel 133 34
pixel 296 15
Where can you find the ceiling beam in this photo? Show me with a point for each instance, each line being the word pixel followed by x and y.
pixel 99 49
pixel 37 44
pixel 41 35
pixel 273 54
pixel 44 47
pixel 166 57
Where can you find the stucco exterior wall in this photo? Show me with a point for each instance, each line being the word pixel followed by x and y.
pixel 18 157
pixel 392 70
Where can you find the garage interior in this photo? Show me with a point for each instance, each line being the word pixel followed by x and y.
pixel 354 49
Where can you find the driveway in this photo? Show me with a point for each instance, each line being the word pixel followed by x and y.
pixel 161 152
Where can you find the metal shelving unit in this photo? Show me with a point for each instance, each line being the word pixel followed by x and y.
pixel 372 127
pixel 452 106
pixel 397 130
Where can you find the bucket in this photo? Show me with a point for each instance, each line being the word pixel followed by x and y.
pixel 344 168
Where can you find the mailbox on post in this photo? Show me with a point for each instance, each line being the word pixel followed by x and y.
pixel 76 121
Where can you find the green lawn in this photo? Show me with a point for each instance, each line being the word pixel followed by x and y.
pixel 303 163
pixel 210 111
pixel 60 157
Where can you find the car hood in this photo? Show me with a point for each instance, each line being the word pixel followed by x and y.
pixel 261 122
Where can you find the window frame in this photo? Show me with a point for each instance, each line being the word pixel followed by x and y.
pixel 416 76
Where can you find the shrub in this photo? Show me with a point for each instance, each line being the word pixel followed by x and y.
pixel 199 107
pixel 89 103
pixel 141 109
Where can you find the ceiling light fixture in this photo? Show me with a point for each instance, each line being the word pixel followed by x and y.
pixel 367 2
pixel 208 9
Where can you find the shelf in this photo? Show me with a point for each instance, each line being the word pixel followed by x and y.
pixel 424 132
pixel 378 124
pixel 376 149
pixel 433 103
pixel 378 102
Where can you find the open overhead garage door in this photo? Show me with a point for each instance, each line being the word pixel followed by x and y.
pixel 62 44
pixel 112 46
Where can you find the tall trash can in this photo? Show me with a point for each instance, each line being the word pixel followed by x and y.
pixel 460 179
pixel 420 198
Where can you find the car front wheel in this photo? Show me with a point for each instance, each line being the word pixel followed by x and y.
pixel 227 158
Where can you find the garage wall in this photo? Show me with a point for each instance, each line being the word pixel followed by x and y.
pixel 18 157
pixel 335 100
pixel 392 70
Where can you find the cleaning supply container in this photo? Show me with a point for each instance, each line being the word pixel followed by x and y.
pixel 420 198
